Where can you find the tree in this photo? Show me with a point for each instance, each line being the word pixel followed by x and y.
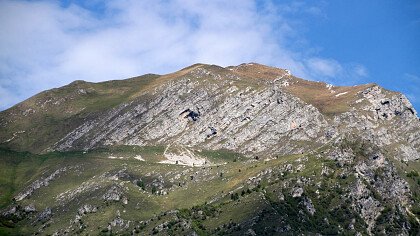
pixel 154 189
pixel 140 184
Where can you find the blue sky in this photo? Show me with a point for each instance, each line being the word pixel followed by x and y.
pixel 46 44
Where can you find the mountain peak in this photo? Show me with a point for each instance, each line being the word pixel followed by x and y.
pixel 258 71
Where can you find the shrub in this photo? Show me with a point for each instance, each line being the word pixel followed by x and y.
pixel 412 174
pixel 140 184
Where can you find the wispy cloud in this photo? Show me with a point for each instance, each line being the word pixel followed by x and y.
pixel 44 44
pixel 324 67
pixel 412 78
pixel 413 90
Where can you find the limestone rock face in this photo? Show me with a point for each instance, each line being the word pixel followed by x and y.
pixel 200 112
pixel 387 119
pixel 214 108
pixel 250 108
pixel 113 194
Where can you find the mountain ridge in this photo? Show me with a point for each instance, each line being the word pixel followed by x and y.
pixel 326 98
pixel 210 150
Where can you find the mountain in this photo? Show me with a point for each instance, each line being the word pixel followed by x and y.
pixel 208 150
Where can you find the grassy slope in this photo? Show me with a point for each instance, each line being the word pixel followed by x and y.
pixel 317 94
pixel 54 113
pixel 30 167
pixel 210 192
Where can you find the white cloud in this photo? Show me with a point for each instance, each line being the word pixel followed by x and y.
pixel 411 77
pixel 413 88
pixel 332 71
pixel 360 71
pixel 324 67
pixel 45 45
pixel 412 97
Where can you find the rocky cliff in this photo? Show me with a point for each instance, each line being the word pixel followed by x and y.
pixel 249 109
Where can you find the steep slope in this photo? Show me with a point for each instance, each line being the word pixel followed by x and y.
pixel 249 109
pixel 53 113
pixel 241 150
